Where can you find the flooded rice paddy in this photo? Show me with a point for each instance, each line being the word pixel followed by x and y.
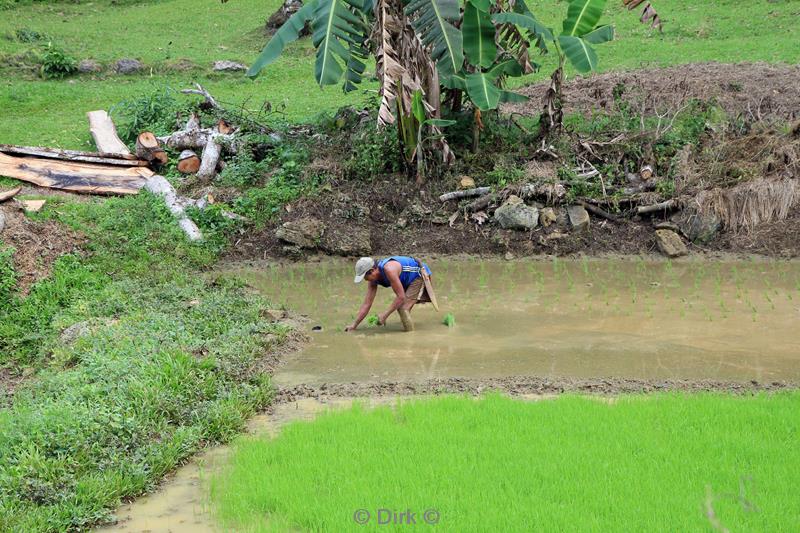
pixel 621 318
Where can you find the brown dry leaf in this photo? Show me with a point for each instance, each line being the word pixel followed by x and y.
pixel 466 182
pixel 480 217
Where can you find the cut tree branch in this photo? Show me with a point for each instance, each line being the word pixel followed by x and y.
pixel 468 193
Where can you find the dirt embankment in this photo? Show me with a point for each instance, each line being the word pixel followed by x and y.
pixel 389 215
pixel 519 385
pixel 757 91
pixel 37 244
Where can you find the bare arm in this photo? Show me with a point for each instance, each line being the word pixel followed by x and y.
pixel 372 289
pixel 393 270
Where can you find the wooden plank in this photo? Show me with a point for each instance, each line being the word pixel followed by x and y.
pixel 6 195
pixel 73 176
pixel 105 134
pixel 73 155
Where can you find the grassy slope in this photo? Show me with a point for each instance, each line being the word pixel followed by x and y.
pixel 162 369
pixel 570 464
pixel 52 112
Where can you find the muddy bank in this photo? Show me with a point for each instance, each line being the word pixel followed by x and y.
pixel 519 385
pixel 738 172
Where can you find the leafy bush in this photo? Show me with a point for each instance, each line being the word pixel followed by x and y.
pixel 374 152
pixel 56 63
pixel 156 112
pixel 285 184
pixel 26 35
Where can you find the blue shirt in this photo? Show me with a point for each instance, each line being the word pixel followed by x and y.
pixel 408 274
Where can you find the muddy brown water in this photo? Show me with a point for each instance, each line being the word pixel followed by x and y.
pixel 730 320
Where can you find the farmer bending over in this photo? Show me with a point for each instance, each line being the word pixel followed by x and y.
pixel 408 277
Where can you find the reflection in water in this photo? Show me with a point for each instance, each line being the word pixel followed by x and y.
pixel 729 320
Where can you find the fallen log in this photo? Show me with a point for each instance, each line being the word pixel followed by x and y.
pixel 159 186
pixel 481 203
pixel 7 195
pixel 210 158
pixel 467 193
pixel 74 176
pixel 148 149
pixel 602 213
pixel 188 162
pixel 186 139
pixel 105 134
pixel 661 206
pixel 129 160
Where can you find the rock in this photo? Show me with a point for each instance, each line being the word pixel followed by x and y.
pixel 2 222
pixel 353 242
pixel 556 235
pixel 667 225
pixel 514 214
pixel 578 217
pixel 695 226
pixel 228 66
pixel 670 243
pixel 279 18
pixel 273 315
pixel 303 232
pixel 89 66
pixel 128 66
pixel 547 216
pixel 466 183
pixel 561 217
pixel 74 332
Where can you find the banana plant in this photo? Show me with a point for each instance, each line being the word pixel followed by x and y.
pixel 435 45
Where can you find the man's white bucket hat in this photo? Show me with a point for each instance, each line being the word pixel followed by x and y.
pixel 363 266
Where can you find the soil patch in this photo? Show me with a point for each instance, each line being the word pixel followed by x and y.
pixel 519 385
pixel 37 244
pixel 758 91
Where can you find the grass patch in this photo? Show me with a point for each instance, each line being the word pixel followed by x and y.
pixel 161 363
pixel 498 464
pixel 155 32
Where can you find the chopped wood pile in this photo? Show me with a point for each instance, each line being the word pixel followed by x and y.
pixel 116 170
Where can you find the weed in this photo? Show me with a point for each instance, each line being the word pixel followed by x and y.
pixel 56 63
pixel 26 35
pixel 449 320
pixel 374 152
pixel 8 278
pixel 156 111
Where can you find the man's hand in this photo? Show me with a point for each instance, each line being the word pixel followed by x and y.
pixel 350 328
pixel 382 320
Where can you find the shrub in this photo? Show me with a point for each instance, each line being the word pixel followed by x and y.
pixel 156 112
pixel 56 63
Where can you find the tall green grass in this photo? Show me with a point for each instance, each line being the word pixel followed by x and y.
pixel 634 463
